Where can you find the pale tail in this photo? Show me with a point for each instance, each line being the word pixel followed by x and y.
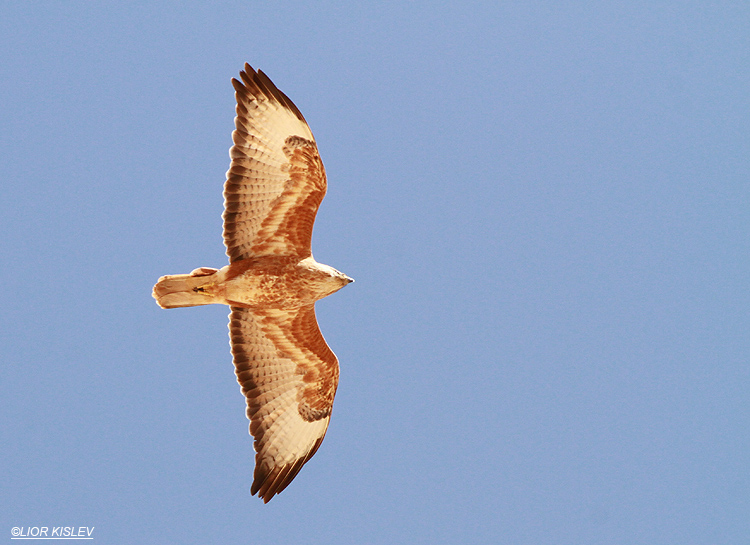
pixel 182 290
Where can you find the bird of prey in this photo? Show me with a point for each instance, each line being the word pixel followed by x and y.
pixel 287 372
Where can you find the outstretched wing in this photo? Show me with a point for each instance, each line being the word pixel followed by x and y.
pixel 276 180
pixel 289 377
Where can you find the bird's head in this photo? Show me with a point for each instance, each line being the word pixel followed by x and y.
pixel 327 279
pixel 340 277
pixel 335 278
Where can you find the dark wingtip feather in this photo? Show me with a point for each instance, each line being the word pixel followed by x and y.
pixel 258 82
pixel 268 484
pixel 238 87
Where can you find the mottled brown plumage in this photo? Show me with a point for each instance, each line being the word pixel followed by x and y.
pixel 288 374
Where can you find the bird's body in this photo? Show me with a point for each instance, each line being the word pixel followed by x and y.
pixel 286 370
pixel 254 283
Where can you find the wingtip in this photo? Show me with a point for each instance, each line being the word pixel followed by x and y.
pixel 256 81
pixel 247 70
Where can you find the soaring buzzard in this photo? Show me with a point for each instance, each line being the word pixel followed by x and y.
pixel 287 372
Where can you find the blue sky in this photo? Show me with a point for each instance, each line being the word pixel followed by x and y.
pixel 546 208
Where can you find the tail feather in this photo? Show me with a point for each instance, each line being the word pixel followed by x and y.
pixel 183 290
